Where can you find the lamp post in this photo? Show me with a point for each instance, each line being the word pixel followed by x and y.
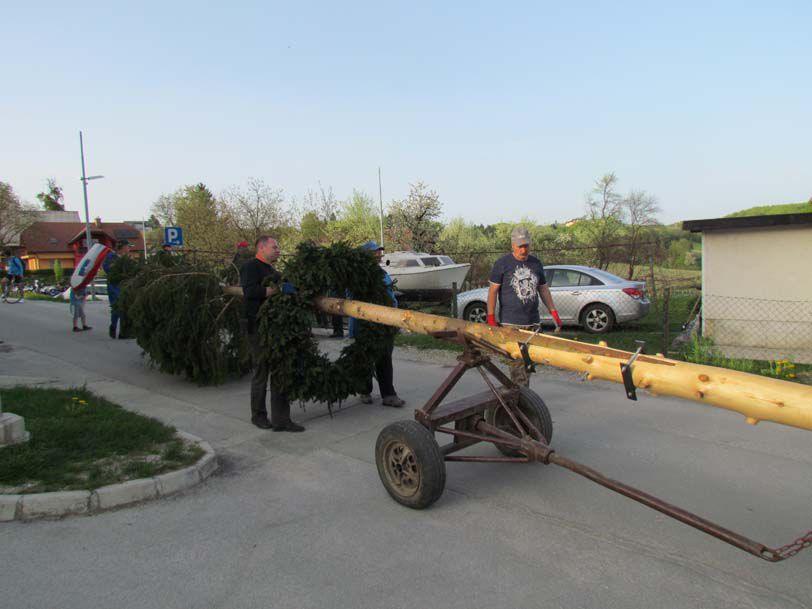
pixel 85 179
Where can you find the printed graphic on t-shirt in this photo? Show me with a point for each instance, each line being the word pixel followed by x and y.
pixel 525 284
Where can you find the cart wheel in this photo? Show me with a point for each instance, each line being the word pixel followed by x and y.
pixel 410 464
pixel 534 408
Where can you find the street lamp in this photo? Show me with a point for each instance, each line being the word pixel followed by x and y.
pixel 85 179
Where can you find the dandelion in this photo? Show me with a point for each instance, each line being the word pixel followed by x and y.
pixel 83 402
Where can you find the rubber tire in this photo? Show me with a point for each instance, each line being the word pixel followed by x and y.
pixel 534 409
pixel 429 459
pixel 609 313
pixel 15 294
pixel 470 307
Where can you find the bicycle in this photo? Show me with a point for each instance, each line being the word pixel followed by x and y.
pixel 13 291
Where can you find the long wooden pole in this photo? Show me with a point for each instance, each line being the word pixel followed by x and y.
pixel 758 398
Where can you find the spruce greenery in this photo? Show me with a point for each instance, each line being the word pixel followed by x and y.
pixel 186 325
pixel 298 367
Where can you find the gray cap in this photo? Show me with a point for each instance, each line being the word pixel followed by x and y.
pixel 520 236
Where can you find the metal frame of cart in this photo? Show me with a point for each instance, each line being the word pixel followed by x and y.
pixel 514 419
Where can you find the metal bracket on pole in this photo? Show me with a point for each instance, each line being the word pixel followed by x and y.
pixel 529 364
pixel 626 371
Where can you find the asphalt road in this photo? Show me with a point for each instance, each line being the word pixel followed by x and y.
pixel 301 520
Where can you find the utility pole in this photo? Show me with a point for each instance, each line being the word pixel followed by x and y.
pixel 380 200
pixel 85 179
pixel 88 240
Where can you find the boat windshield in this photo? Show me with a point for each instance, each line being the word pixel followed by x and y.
pixel 446 260
pixel 402 263
pixel 431 261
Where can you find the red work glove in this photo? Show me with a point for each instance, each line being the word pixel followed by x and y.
pixel 492 320
pixel 556 319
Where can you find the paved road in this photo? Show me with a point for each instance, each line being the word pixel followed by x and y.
pixel 300 521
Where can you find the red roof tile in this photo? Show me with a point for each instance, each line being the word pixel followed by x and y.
pixel 49 237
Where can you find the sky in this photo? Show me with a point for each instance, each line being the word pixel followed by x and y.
pixel 506 109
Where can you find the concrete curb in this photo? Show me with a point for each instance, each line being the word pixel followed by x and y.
pixel 72 503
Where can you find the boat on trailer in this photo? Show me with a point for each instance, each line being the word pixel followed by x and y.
pixel 418 271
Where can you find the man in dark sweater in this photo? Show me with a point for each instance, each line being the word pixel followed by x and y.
pixel 252 279
pixel 517 281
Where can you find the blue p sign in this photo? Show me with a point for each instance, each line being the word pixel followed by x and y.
pixel 173 235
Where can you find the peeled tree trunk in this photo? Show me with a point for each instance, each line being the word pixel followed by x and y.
pixel 758 398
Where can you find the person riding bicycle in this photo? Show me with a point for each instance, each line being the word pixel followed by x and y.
pixel 14 271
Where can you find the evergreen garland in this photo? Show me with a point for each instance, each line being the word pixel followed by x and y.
pixel 122 269
pixel 297 366
pixel 186 325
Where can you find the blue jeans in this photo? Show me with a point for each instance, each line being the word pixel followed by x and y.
pixel 114 315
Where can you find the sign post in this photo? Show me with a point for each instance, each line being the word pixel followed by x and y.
pixel 173 235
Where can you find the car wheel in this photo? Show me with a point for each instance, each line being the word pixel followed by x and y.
pixel 476 312
pixel 598 318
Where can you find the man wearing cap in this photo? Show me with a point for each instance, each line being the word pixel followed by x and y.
pixel 517 280
pixel 384 369
pixel 242 255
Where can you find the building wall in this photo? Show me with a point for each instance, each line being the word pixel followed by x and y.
pixel 757 289
pixel 42 262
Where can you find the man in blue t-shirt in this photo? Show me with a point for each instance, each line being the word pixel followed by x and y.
pixel 517 280
pixel 14 267
pixel 14 271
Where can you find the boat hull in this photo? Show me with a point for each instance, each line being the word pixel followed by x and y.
pixel 429 278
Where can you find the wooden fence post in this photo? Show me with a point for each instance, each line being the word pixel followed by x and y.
pixel 666 320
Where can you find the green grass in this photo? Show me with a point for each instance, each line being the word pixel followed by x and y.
pixel 661 274
pixel 35 296
pixel 82 441
pixel 773 210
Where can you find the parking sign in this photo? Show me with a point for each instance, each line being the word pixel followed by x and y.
pixel 173 235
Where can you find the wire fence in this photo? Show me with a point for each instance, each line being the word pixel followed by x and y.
pixel 755 328
pixel 749 328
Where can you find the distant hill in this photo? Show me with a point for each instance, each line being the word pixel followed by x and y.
pixel 773 210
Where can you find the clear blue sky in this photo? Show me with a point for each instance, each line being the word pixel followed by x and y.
pixel 506 109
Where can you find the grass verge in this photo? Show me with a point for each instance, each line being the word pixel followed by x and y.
pixel 80 441
pixel 35 296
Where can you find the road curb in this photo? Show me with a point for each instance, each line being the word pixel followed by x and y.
pixel 37 506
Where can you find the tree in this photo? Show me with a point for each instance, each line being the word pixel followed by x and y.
pixel 322 203
pixel 640 209
pixel 603 205
pixel 312 228
pixel 204 219
pixel 163 210
pixel 415 219
pixel 357 220
pixel 15 216
pixel 52 198
pixel 256 210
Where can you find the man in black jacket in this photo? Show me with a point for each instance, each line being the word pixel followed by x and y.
pixel 252 278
